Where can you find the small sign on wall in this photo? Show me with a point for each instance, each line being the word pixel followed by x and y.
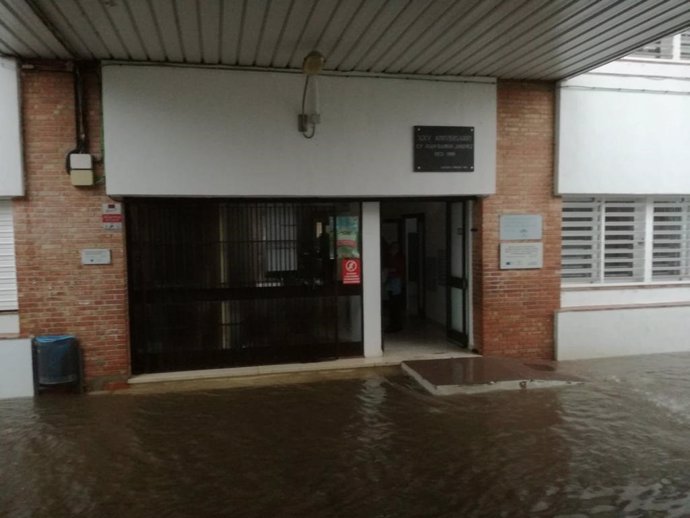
pixel 517 256
pixel 516 227
pixel 95 256
pixel 111 216
pixel 352 271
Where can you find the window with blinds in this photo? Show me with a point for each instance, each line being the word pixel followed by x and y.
pixel 659 49
pixel 675 48
pixel 608 240
pixel 623 240
pixel 685 45
pixel 581 243
pixel 670 239
pixel 8 275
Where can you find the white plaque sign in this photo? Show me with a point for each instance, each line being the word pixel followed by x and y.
pixel 517 256
pixel 515 227
pixel 95 256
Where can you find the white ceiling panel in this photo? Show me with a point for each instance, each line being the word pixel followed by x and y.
pixel 273 27
pixel 523 32
pixel 231 18
pixel 359 24
pixel 312 31
pixel 48 11
pixel 491 18
pixel 20 24
pixel 167 29
pixel 450 29
pixel 210 25
pixel 424 21
pixel 188 24
pixel 374 32
pixel 517 39
pixel 142 22
pixel 255 13
pixel 388 37
pixel 579 35
pixel 73 21
pixel 290 32
pixel 615 42
pixel 121 25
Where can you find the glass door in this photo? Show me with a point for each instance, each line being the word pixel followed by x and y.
pixel 457 321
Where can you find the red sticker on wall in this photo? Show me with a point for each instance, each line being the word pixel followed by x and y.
pixel 351 271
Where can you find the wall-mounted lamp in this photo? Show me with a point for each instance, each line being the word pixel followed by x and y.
pixel 306 122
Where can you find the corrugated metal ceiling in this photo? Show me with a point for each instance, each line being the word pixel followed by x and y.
pixel 520 39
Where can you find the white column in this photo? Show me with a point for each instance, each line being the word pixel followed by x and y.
pixel 371 278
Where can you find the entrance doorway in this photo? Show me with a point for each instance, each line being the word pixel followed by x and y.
pixel 424 258
pixel 224 283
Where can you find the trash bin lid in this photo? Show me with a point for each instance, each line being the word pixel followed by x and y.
pixel 49 339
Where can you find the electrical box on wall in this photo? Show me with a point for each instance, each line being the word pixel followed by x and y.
pixel 80 167
pixel 81 177
pixel 80 161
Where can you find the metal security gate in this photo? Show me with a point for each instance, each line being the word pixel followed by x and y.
pixel 218 283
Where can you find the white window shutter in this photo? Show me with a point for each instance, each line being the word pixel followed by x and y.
pixel 659 49
pixel 685 45
pixel 624 240
pixel 8 274
pixel 580 250
pixel 670 240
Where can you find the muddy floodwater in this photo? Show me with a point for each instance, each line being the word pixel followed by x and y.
pixel 371 446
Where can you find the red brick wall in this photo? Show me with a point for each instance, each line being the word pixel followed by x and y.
pixel 55 221
pixel 514 309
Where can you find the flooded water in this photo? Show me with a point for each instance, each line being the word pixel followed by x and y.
pixel 617 445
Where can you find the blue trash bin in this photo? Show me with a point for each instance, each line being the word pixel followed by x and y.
pixel 57 359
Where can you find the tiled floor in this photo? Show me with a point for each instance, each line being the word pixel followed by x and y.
pixel 420 337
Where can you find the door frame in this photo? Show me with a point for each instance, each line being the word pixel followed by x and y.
pixel 421 282
pixel 463 283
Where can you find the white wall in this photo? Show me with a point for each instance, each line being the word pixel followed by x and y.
pixel 197 132
pixel 16 373
pixel 9 323
pixel 612 296
pixel 11 170
pixel 371 279
pixel 599 333
pixel 625 130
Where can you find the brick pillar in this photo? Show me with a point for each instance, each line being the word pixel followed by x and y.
pixel 514 309
pixel 55 220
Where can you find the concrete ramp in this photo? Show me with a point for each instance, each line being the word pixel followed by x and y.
pixel 476 375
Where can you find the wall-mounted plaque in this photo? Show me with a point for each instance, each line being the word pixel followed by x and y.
pixel 519 256
pixel 443 149
pixel 515 227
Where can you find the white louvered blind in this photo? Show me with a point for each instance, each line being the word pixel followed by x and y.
pixel 685 45
pixel 580 250
pixel 8 275
pixel 624 237
pixel 659 49
pixel 671 242
pixel 609 240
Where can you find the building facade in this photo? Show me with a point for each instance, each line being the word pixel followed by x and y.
pixel 173 216
pixel 622 172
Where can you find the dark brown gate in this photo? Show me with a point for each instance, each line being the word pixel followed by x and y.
pixel 218 283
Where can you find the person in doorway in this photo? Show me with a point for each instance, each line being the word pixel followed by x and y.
pixel 395 275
